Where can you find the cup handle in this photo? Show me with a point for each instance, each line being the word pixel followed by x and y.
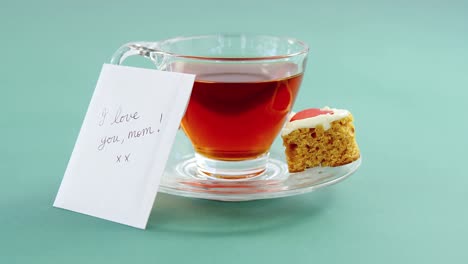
pixel 144 49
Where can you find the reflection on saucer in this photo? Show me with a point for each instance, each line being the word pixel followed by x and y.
pixel 181 178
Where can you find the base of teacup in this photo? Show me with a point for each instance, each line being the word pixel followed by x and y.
pixel 231 170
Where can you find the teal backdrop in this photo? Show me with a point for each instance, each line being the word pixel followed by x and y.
pixel 401 67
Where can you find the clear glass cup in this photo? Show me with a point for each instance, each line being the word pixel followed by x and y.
pixel 244 89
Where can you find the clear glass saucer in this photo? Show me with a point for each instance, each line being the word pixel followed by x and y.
pixel 180 177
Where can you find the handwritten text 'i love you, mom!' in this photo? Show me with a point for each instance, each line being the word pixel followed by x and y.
pixel 119 118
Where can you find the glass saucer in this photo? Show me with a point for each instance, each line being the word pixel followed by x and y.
pixel 180 177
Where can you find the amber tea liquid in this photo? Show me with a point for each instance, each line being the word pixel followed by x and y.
pixel 236 115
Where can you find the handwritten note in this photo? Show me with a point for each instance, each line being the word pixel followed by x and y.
pixel 124 143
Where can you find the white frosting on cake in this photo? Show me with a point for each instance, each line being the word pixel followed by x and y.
pixel 324 119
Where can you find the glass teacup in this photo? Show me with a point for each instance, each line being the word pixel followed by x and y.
pixel 244 89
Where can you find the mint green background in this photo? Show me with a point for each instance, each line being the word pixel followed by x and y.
pixel 401 67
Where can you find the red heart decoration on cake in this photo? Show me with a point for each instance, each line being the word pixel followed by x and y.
pixel 311 112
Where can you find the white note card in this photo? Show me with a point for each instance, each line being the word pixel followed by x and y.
pixel 124 143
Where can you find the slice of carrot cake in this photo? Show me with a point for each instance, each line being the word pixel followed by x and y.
pixel 320 137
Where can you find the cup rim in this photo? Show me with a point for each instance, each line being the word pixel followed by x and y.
pixel 304 50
